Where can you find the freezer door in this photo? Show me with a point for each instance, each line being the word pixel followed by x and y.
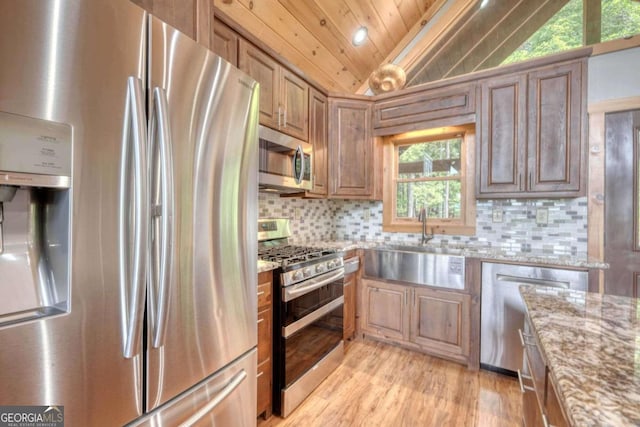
pixel 227 398
pixel 207 318
pixel 70 62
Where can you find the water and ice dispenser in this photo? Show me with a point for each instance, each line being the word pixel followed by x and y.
pixel 35 218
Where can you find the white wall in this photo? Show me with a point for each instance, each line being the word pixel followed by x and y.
pixel 614 75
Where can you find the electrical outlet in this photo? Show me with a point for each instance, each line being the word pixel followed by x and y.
pixel 297 213
pixel 366 214
pixel 497 215
pixel 542 216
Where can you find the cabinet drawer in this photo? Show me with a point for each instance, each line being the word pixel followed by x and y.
pixel 425 106
pixel 264 335
pixel 264 295
pixel 264 388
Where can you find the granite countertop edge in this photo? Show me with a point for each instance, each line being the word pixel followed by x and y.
pixel 587 340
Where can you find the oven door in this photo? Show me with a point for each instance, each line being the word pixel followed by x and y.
pixel 313 322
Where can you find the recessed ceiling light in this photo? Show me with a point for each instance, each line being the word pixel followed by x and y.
pixel 359 36
pixel 484 3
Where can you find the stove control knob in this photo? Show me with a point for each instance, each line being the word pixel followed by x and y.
pixel 306 272
pixel 320 268
pixel 297 275
pixel 331 264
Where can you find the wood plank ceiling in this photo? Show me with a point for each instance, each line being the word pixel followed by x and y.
pixel 315 35
pixel 429 39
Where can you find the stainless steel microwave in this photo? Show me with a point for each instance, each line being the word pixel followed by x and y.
pixel 285 162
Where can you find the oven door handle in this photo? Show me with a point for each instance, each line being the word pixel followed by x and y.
pixel 291 329
pixel 293 292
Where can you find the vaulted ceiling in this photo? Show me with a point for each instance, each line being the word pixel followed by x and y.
pixel 429 39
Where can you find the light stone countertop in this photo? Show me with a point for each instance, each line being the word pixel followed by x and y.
pixel 266 266
pixel 484 253
pixel 591 344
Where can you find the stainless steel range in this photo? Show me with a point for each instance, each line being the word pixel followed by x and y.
pixel 308 313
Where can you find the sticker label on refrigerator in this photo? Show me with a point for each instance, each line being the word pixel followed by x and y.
pixel 37 146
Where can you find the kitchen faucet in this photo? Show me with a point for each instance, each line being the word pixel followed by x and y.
pixel 422 216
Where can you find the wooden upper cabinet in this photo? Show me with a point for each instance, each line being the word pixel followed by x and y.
pixel 295 104
pixel 450 105
pixel 351 149
pixel 191 17
pixel 501 154
pixel 531 133
pixel 555 128
pixel 284 97
pixel 266 71
pixel 225 42
pixel 318 110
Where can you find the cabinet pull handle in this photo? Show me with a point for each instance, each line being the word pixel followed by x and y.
pixel 261 320
pixel 260 293
pixel 259 374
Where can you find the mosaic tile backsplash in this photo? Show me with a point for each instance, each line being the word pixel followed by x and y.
pixel 564 232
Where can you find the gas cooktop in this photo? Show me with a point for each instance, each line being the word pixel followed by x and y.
pixel 292 254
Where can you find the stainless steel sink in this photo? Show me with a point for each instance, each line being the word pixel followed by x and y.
pixel 419 265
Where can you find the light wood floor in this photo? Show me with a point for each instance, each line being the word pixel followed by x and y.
pixel 383 385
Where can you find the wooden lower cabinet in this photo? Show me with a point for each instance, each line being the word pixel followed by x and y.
pixel 427 319
pixel 540 404
pixel 440 321
pixel 265 334
pixel 349 325
pixel 385 313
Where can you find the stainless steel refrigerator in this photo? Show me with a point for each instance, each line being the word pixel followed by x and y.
pixel 128 192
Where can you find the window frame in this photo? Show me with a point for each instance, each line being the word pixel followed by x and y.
pixel 466 224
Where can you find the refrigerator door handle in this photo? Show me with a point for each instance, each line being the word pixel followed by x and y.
pixel 159 304
pixel 233 383
pixel 133 220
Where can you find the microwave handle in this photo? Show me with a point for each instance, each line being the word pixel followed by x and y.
pixel 299 153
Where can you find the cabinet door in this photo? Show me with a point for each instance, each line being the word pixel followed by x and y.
pixel 349 325
pixel 180 14
pixel 265 71
pixel 318 138
pixel 555 129
pixel 295 105
pixel 440 321
pixel 502 145
pixel 385 309
pixel 351 149
pixel 225 42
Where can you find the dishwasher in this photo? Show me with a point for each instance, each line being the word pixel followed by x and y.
pixel 502 309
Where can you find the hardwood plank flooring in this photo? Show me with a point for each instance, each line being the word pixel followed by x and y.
pixel 383 385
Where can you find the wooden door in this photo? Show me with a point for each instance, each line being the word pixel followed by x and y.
pixel 622 203
pixel 265 71
pixel 225 42
pixel 440 321
pixel 351 149
pixel 385 309
pixel 349 325
pixel 501 154
pixel 318 108
pixel 555 124
pixel 295 105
